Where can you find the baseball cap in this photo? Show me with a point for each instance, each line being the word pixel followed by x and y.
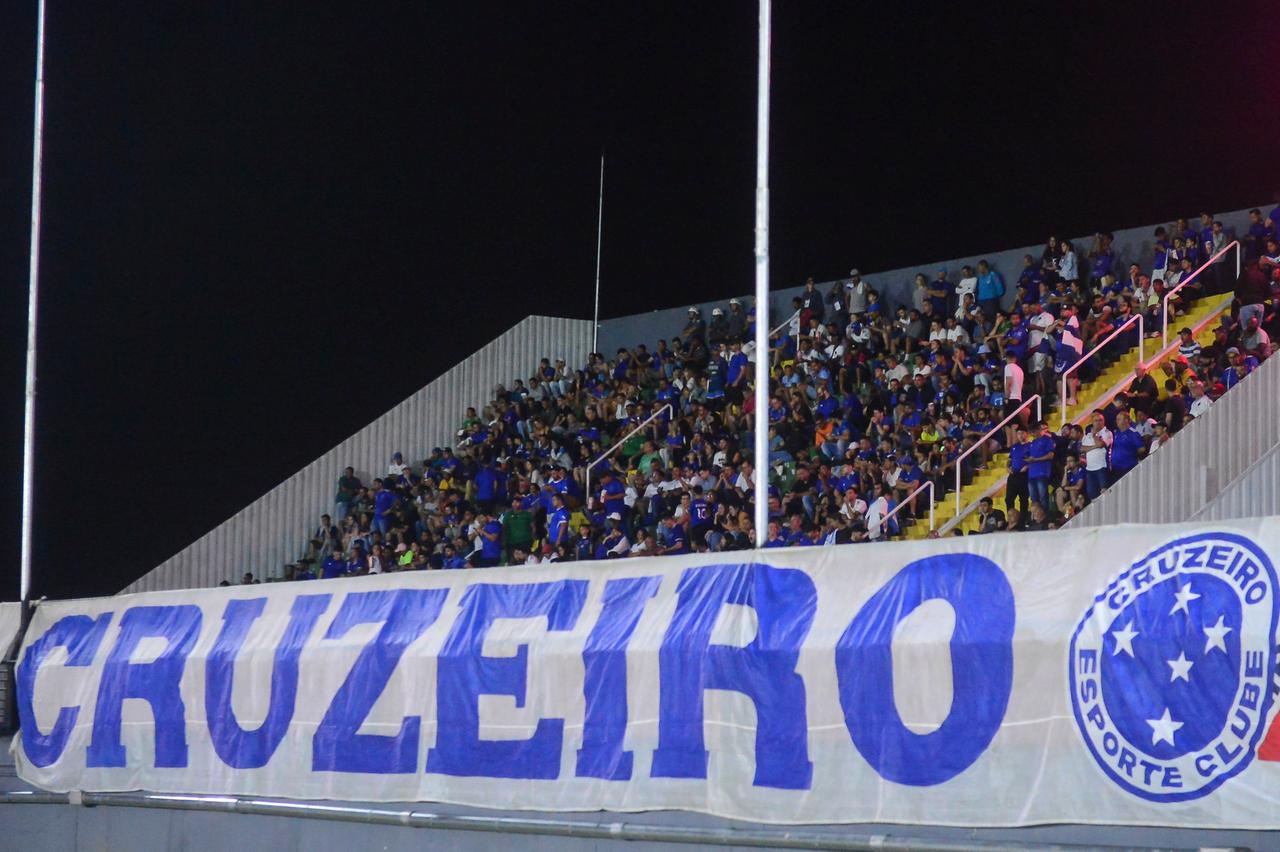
pixel 1233 351
pixel 614 516
pixel 854 271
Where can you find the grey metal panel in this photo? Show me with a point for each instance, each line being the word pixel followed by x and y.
pixel 1254 493
pixel 1200 461
pixel 274 529
pixel 895 285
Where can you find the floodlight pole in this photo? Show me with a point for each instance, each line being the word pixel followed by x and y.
pixel 762 280
pixel 595 328
pixel 29 415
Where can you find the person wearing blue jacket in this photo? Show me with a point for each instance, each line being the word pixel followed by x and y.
pixel 990 289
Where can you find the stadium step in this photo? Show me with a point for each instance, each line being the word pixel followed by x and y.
pixel 1125 365
pixel 1089 395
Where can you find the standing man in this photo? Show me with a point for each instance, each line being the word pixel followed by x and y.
pixel 990 289
pixel 1096 445
pixel 1040 465
pixel 1016 486
pixel 384 501
pixel 1013 380
pixel 1126 447
pixel 348 486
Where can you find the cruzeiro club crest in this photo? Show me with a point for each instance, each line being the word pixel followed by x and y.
pixel 1171 667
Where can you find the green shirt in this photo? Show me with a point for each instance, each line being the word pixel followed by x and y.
pixel 517 524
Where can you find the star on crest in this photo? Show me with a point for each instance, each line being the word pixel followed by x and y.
pixel 1185 596
pixel 1216 636
pixel 1181 668
pixel 1124 639
pixel 1163 729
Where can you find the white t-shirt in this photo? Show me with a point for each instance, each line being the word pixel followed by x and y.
pixel 875 512
pixel 1095 444
pixel 1013 382
pixel 1199 406
pixel 1040 324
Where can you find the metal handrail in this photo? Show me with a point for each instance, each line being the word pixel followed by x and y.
pixel 905 500
pixel 587 485
pixel 1035 397
pixel 786 322
pixel 1164 304
pixel 1062 398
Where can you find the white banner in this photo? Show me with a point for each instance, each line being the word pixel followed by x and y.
pixel 10 623
pixel 1115 675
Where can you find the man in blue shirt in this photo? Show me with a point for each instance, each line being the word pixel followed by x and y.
pixel 384 500
pixel 736 374
pixel 990 289
pixel 490 543
pixel 558 523
pixel 452 559
pixel 1016 487
pixel 612 493
pixel 1126 447
pixel 333 567
pixel 677 538
pixel 1040 465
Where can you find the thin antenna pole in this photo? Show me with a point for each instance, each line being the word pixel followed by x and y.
pixel 762 279
pixel 595 329
pixel 29 418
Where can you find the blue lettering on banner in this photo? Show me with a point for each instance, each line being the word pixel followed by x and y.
pixel 336 747
pixel 605 685
pixel 81 636
pixel 463 674
pixel 784 600
pixel 1170 677
pixel 236 746
pixel 981 669
pixel 158 682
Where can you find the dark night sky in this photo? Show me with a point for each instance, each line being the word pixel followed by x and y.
pixel 265 224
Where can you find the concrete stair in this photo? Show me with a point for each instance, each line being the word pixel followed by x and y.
pixel 993 477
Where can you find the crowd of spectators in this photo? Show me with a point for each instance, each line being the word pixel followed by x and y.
pixel 868 400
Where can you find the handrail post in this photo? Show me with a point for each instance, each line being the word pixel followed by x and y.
pixel 587 484
pixel 1080 362
pixel 983 440
pixel 927 484
pixel 1164 304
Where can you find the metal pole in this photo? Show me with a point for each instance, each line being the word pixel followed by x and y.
pixel 595 328
pixel 29 417
pixel 762 279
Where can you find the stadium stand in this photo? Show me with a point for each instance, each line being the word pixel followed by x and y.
pixel 648 451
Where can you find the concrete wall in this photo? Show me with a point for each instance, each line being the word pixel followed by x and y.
pixel 1131 244
pixel 1199 462
pixel 1254 492
pixel 274 529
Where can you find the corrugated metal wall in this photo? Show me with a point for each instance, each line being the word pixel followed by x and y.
pixel 273 530
pixel 1200 461
pixel 1254 493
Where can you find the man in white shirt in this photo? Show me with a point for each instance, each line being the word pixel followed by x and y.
pixel 1095 444
pixel 1013 380
pixel 967 285
pixel 895 370
pixel 876 512
pixel 1200 402
pixel 397 465
pixel 857 291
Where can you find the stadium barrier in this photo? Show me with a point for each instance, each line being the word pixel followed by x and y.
pixel 1118 675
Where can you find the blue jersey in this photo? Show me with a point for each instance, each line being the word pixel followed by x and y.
pixel 1041 446
pixel 700 512
pixel 1018 458
pixel 491 549
pixel 384 501
pixel 1124 449
pixel 556 525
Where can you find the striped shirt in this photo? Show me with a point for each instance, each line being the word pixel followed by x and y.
pixel 1189 350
